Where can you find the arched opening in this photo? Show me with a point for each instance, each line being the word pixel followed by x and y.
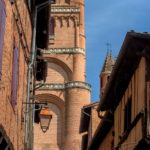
pixel 56 74
pixel 63 65
pixel 52 139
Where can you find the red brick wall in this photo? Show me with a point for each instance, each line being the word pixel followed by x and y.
pixel 11 119
pixel 64 33
pixel 56 74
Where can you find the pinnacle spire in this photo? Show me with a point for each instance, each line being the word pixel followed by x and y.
pixel 109 50
pixel 109 63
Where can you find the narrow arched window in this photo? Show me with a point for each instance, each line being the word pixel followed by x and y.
pixel 52 28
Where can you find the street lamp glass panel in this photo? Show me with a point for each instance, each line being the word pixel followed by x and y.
pixel 45 119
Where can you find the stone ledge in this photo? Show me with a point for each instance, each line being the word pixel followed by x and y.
pixel 65 10
pixel 63 86
pixel 74 50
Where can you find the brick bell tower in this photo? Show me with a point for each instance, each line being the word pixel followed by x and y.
pixel 65 88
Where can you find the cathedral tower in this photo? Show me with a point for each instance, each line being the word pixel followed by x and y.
pixel 65 88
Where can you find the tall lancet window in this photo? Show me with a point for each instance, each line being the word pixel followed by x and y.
pixel 52 29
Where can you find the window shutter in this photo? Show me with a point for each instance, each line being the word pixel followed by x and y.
pixel 2 30
pixel 14 76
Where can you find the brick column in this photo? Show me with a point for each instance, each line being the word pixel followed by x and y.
pixel 75 99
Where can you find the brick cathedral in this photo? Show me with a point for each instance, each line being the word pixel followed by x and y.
pixel 65 88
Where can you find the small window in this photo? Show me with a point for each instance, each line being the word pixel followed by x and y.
pixel 52 28
pixel 127 114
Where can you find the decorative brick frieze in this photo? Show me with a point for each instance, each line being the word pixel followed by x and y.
pixel 63 86
pixel 65 10
pixel 64 51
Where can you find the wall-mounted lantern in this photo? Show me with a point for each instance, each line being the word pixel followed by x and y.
pixel 45 118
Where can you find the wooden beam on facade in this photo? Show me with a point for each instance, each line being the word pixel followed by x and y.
pixel 133 124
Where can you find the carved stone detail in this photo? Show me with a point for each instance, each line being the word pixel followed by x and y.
pixel 63 51
pixel 65 10
pixel 63 86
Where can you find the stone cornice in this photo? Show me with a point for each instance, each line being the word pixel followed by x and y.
pixel 63 51
pixel 65 10
pixel 63 86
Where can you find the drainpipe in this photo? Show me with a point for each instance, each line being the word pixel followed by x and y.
pixel 30 70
